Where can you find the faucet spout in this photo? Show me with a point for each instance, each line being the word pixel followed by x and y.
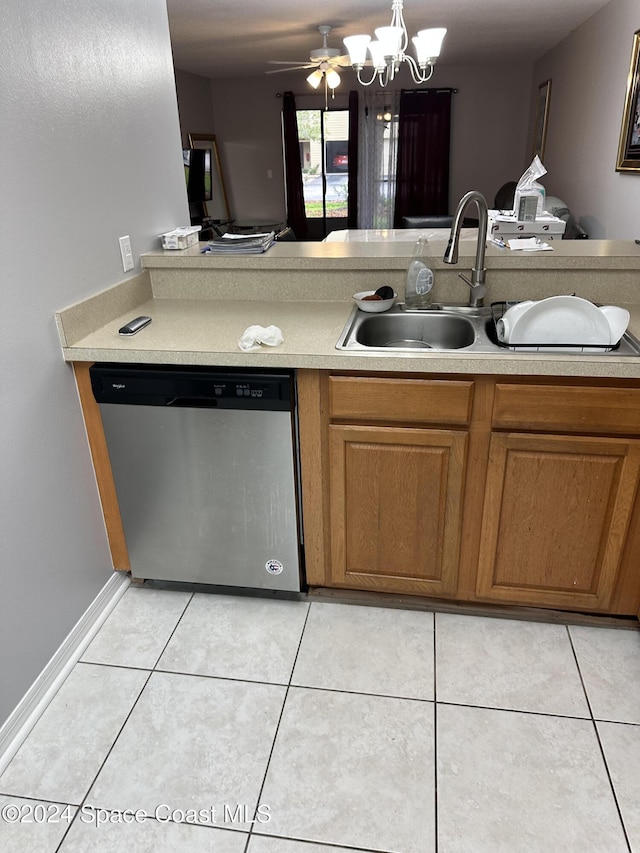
pixel 477 280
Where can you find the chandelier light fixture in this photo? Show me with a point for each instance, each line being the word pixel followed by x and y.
pixel 387 50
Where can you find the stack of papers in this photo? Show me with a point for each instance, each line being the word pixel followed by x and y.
pixel 241 244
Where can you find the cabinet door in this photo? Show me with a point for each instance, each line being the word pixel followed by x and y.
pixel 396 498
pixel 555 518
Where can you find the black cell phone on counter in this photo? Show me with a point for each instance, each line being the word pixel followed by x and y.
pixel 134 326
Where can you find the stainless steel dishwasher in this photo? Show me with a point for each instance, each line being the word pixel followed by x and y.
pixel 205 470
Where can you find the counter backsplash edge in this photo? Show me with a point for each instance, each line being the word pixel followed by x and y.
pixel 599 285
pixel 77 321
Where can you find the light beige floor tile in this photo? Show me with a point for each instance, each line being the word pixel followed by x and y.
pixel 33 826
pixel 280 845
pixel 609 660
pixel 138 629
pixel 354 770
pixel 504 663
pixel 522 783
pixel 193 743
pixel 367 650
pixel 148 836
pixel 61 756
pixel 237 637
pixel 621 744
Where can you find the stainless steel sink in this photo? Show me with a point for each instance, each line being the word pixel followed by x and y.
pixel 404 329
pixel 442 328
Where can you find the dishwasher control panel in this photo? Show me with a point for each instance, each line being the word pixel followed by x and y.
pixel 256 390
pixel 191 386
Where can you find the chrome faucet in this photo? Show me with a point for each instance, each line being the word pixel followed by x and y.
pixel 476 282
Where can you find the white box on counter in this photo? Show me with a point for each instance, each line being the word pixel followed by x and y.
pixel 546 225
pixel 181 238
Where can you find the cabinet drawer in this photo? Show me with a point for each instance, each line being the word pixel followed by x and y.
pixel 567 408
pixel 378 399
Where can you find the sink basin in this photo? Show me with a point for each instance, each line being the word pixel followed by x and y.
pixel 412 331
pixel 404 329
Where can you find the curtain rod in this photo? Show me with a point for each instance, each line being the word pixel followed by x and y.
pixel 438 90
pixel 303 94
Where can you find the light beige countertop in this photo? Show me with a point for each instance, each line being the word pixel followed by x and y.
pixel 391 254
pixel 201 304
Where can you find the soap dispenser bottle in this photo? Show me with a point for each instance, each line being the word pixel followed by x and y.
pixel 418 291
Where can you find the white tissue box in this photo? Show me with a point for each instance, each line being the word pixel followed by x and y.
pixel 181 238
pixel 546 225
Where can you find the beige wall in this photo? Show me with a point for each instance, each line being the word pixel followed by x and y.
pixel 490 119
pixel 589 71
pixel 194 103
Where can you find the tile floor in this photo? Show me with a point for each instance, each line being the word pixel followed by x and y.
pixel 244 725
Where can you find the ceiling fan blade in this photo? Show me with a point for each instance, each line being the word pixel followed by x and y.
pixel 284 62
pixel 291 68
pixel 342 61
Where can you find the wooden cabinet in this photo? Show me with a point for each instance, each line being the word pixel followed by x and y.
pixel 393 456
pixel 556 513
pixel 478 489
pixel 559 498
pixel 396 498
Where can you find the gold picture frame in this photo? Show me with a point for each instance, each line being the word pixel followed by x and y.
pixel 218 207
pixel 629 145
pixel 542 119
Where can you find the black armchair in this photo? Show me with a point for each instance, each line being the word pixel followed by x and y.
pixel 504 196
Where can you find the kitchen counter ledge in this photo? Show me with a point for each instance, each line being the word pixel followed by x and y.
pixel 206 332
pixel 567 254
pixel 200 306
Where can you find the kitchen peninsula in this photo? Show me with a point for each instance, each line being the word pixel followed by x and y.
pixel 427 473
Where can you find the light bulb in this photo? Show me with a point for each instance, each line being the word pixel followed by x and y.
pixel 357 48
pixel 377 55
pixel 428 44
pixel 315 78
pixel 333 78
pixel 390 38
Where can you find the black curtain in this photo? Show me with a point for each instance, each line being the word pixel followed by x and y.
pixel 296 217
pixel 424 136
pixel 352 150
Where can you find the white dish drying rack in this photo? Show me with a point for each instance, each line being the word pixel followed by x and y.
pixel 498 309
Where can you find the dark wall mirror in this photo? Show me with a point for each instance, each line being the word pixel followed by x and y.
pixel 218 206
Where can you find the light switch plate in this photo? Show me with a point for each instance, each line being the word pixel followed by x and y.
pixel 126 253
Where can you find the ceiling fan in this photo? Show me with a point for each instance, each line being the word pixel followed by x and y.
pixel 324 60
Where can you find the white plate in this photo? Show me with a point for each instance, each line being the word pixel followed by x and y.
pixel 561 320
pixel 618 319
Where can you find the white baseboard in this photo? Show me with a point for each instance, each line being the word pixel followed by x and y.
pixel 30 708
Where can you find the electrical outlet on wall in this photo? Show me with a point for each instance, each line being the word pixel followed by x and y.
pixel 126 253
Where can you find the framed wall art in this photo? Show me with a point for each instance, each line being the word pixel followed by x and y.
pixel 542 119
pixel 629 147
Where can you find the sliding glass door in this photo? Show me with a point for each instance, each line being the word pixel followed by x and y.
pixel 324 139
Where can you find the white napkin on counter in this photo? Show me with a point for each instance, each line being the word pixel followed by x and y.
pixel 254 336
pixel 530 244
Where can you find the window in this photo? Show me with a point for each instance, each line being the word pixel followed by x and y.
pixel 324 137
